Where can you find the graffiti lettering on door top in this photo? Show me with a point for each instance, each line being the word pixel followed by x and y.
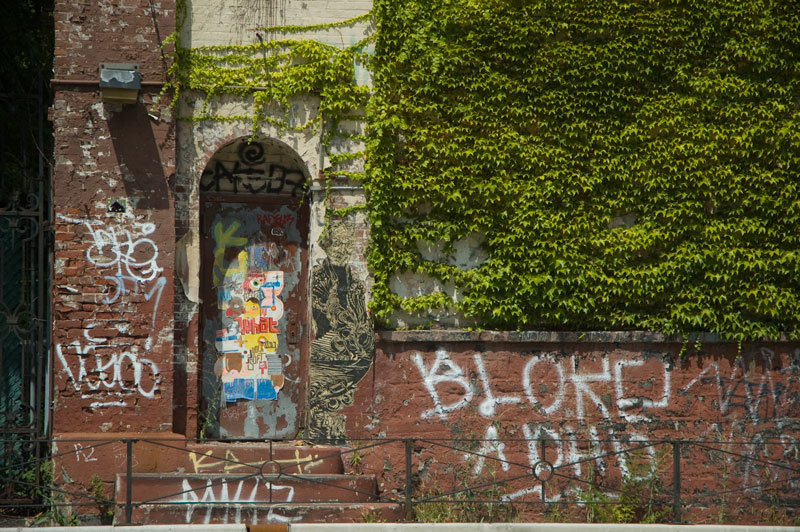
pixel 252 172
pixel 250 309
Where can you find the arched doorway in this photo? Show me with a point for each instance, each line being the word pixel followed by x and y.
pixel 254 271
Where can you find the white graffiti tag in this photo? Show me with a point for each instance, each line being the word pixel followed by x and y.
pixel 442 370
pixel 121 289
pixel 596 411
pixel 117 374
pixel 132 259
pixel 216 496
pixel 445 371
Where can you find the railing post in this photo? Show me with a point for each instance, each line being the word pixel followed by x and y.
pixel 409 503
pixel 543 457
pixel 128 481
pixel 676 481
pixel 271 482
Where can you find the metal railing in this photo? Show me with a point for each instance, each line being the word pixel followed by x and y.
pixel 422 478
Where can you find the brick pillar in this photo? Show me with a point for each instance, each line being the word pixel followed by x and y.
pixel 114 223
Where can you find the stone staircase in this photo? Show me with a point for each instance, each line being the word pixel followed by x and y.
pixel 251 483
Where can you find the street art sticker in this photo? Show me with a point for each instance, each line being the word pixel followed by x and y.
pixel 341 353
pixel 253 344
pixel 250 309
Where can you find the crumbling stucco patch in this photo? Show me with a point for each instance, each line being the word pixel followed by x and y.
pixel 187 265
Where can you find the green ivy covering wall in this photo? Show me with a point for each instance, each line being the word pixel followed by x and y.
pixel 270 72
pixel 630 164
pixel 625 164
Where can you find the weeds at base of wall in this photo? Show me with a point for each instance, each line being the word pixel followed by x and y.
pixel 778 512
pixel 779 515
pixel 59 512
pixel 459 508
pixel 207 422
pixel 372 516
pixel 459 505
pixel 638 495
pixel 723 503
pixel 356 459
pixel 731 510
pixel 355 462
pixel 105 506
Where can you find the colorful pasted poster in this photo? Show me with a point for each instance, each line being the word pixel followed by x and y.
pixel 250 309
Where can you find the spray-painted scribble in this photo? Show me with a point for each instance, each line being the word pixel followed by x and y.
pixel 117 248
pixel 207 463
pixel 124 285
pixel 96 375
pixel 442 369
pixel 224 238
pixel 110 370
pixel 252 172
pixel 85 454
pixel 593 409
pixel 217 496
pixel 758 398
pixel 132 257
pixel 445 370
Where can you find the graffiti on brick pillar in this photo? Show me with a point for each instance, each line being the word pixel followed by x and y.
pixel 131 257
pixel 613 400
pixel 109 365
pixel 100 369
pixel 251 172
pixel 250 306
pixel 341 352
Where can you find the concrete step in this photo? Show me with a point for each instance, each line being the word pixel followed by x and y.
pixel 236 458
pixel 299 459
pixel 260 514
pixel 178 488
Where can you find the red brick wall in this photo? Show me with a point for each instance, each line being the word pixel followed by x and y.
pixel 586 395
pixel 88 32
pixel 113 271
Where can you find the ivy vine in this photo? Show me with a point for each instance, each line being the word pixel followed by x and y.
pixel 626 164
pixel 271 72
pixel 629 164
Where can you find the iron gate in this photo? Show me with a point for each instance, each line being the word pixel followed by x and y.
pixel 25 250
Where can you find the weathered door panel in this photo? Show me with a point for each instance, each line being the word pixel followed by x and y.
pixel 255 353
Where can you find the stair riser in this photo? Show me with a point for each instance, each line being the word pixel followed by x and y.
pixel 234 458
pixel 177 489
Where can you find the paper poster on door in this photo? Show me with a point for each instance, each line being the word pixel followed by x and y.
pixel 251 308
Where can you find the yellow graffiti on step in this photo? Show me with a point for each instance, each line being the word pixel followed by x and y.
pixel 201 462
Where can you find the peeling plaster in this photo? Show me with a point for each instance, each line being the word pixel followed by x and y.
pixel 187 265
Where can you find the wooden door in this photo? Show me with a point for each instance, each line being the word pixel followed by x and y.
pixel 255 352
